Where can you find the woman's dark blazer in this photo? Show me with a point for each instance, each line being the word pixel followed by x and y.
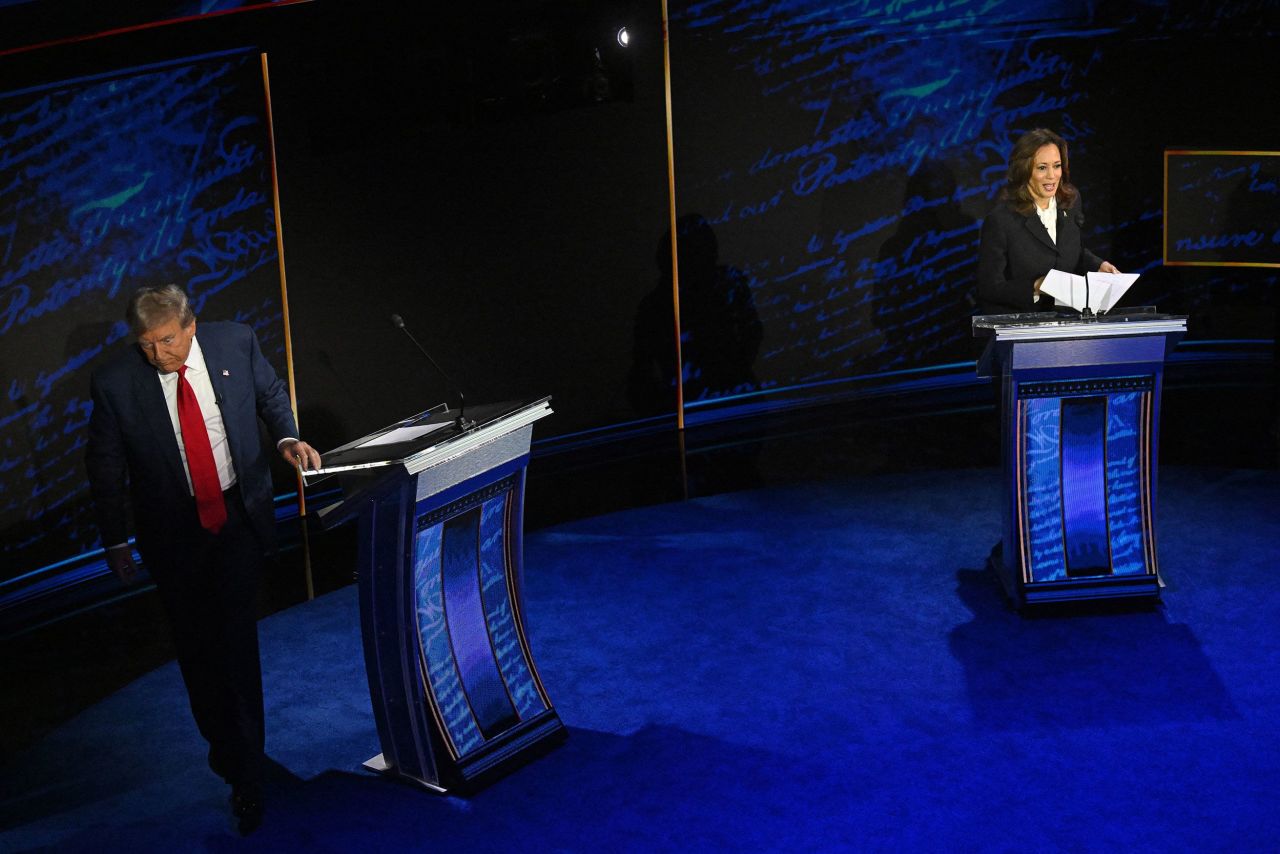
pixel 1015 250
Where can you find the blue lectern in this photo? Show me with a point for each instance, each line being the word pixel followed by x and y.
pixel 1081 408
pixel 456 696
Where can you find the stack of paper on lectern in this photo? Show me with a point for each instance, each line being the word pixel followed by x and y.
pixel 1099 292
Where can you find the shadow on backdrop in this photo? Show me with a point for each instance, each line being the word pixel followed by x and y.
pixel 926 275
pixel 720 329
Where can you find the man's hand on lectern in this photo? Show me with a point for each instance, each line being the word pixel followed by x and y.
pixel 300 455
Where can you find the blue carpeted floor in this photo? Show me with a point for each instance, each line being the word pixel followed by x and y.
pixel 813 668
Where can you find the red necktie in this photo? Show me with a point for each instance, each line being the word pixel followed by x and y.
pixel 204 473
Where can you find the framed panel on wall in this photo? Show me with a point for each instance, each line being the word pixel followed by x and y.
pixel 1222 208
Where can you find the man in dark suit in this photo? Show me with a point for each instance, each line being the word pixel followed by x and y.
pixel 174 437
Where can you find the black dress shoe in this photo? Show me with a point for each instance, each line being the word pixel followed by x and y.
pixel 247 805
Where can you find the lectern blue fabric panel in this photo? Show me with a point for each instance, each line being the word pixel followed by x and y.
pixel 1129 555
pixel 512 655
pixel 1043 467
pixel 449 701
pixel 1082 464
pixel 1084 490
pixel 479 678
pixel 465 614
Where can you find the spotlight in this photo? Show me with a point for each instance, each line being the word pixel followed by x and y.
pixel 624 37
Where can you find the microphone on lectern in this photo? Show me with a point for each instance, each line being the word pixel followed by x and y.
pixel 462 422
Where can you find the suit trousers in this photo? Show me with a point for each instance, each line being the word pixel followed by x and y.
pixel 208 584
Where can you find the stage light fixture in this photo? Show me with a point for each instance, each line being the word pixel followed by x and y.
pixel 624 37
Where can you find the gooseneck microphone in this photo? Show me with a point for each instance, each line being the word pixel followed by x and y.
pixel 1086 313
pixel 462 422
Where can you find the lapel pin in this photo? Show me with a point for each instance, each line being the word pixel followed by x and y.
pixel 225 372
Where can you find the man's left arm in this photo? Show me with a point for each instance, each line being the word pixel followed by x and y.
pixel 271 397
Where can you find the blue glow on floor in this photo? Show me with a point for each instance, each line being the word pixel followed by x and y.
pixel 812 668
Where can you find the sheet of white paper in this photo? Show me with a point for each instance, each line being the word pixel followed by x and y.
pixel 1065 288
pixel 1113 286
pixel 1099 293
pixel 402 434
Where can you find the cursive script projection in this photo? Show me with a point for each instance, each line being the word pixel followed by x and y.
pixel 1223 208
pixel 859 145
pixel 105 185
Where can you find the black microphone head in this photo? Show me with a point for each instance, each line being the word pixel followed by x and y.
pixel 397 321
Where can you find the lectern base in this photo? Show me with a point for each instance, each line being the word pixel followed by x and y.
pixel 518 746
pixel 1100 587
pixel 379 764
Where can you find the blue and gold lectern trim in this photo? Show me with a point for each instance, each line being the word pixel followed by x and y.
pixel 444 684
pixel 502 611
pixel 1084 479
pixel 478 674
pixel 1147 445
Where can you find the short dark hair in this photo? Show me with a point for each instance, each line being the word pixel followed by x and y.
pixel 1022 161
pixel 152 305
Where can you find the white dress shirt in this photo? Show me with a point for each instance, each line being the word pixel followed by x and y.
pixel 1049 216
pixel 198 376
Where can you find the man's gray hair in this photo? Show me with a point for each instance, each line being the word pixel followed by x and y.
pixel 154 305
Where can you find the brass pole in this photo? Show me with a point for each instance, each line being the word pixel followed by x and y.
pixel 675 252
pixel 288 335
pixel 671 205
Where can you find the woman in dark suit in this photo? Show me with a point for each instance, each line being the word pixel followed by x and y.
pixel 1036 227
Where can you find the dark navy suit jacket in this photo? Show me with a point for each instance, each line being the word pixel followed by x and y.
pixel 133 455
pixel 1016 250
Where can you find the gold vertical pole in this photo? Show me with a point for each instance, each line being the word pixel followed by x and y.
pixel 675 252
pixel 288 335
pixel 671 205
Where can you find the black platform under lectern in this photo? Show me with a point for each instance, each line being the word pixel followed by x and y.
pixel 1081 409
pixel 456 696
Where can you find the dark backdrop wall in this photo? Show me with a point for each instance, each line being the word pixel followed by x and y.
pixel 487 177
pixel 497 176
pixel 461 171
pixel 846 152
pixel 158 175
